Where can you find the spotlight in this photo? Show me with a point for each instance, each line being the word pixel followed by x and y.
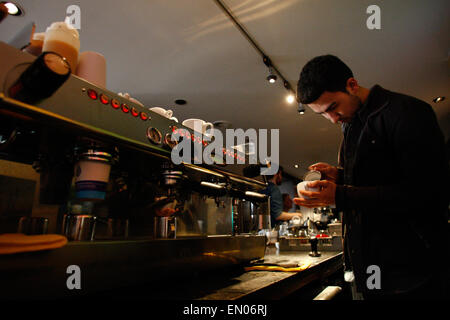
pixel 13 9
pixel 290 98
pixel 272 78
pixel 301 108
pixel 438 99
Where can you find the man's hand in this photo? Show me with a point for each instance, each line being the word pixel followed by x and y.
pixel 325 197
pixel 328 171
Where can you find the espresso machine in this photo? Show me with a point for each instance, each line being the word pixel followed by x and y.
pixel 131 214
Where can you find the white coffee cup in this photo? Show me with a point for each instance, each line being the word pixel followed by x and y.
pixel 63 39
pixel 303 186
pixel 165 113
pixel 198 125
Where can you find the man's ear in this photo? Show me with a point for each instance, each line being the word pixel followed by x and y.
pixel 352 86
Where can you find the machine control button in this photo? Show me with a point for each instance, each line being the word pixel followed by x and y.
pixel 104 98
pixel 154 135
pixel 125 108
pixel 169 142
pixel 144 116
pixel 92 94
pixel 134 112
pixel 115 104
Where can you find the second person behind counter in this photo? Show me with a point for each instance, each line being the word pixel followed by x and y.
pixel 277 213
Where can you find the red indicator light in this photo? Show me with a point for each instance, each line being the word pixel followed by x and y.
pixel 104 99
pixel 125 108
pixel 144 116
pixel 134 112
pixel 92 94
pixel 115 104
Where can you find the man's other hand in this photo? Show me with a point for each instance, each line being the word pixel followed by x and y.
pixel 328 171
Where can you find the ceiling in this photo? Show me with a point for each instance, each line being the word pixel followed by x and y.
pixel 160 51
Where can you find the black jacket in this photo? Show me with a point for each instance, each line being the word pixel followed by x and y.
pixel 396 193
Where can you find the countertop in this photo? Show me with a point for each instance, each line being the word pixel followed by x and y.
pixel 238 284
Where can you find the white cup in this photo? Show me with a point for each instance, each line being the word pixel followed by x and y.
pixel 91 179
pixel 303 187
pixel 63 39
pixel 165 113
pixel 198 125
pixel 92 67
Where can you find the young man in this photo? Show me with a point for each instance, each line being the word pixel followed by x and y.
pixel 392 183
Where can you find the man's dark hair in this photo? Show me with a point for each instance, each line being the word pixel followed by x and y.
pixel 322 73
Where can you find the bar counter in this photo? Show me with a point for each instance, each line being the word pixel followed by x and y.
pixel 237 284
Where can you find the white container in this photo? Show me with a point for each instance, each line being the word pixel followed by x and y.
pixel 63 39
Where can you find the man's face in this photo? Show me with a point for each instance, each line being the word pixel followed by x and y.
pixel 338 107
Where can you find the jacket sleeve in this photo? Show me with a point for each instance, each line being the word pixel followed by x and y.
pixel 419 154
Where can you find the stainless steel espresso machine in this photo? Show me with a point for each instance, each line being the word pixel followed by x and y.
pixel 131 215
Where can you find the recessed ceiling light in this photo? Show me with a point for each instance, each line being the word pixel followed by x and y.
pixel 180 102
pixel 296 166
pixel 13 9
pixel 438 99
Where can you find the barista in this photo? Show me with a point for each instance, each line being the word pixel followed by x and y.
pixel 277 212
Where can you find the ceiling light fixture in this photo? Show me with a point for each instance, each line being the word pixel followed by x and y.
pixel 296 166
pixel 13 9
pixel 291 96
pixel 438 99
pixel 266 59
pixel 301 108
pixel 272 78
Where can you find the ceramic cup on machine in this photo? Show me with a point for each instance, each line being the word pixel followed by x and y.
pixel 36 44
pixel 165 113
pixel 92 67
pixel 198 125
pixel 63 39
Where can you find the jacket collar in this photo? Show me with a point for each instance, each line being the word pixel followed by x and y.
pixel 377 99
